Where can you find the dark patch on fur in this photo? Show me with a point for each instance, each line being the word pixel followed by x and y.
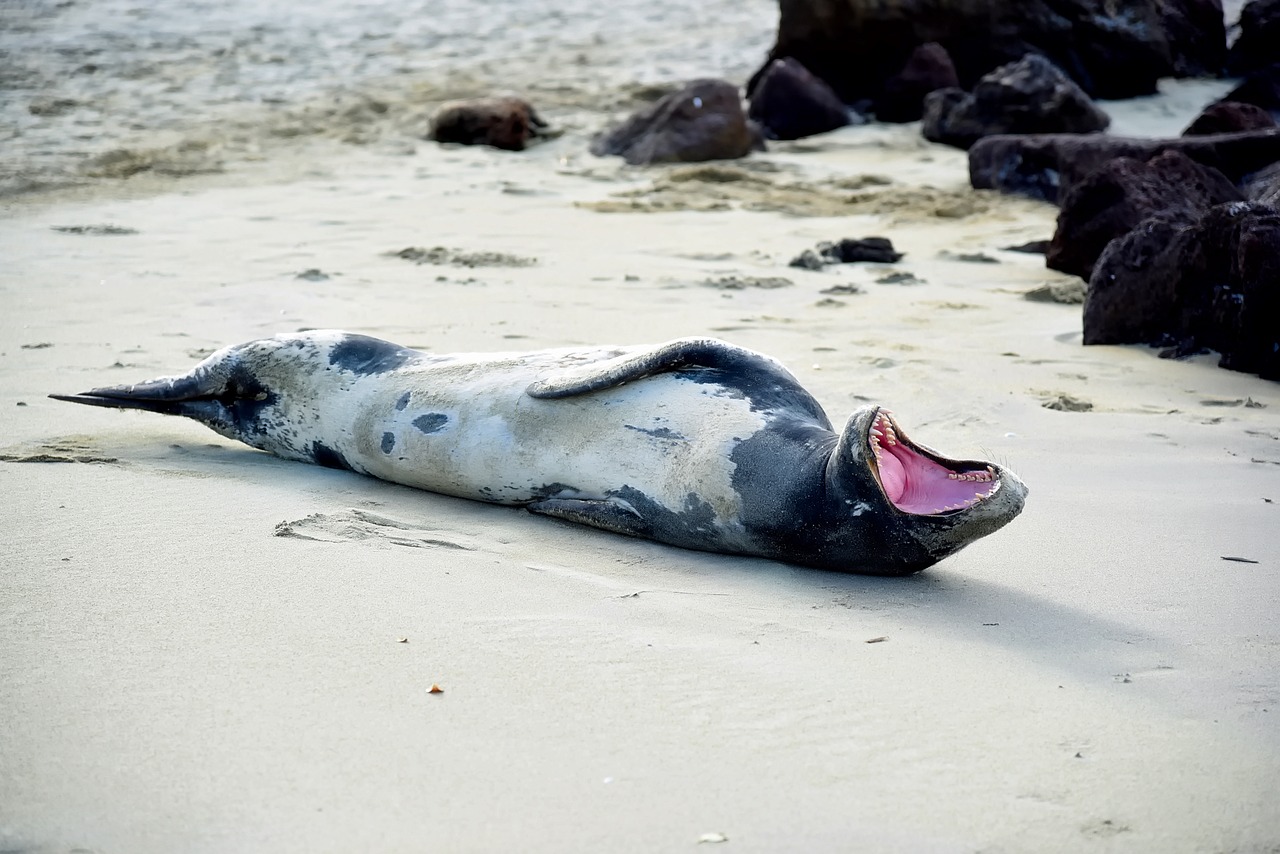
pixel 551 490
pixel 402 402
pixel 765 388
pixel 363 355
pixel 388 442
pixel 241 402
pixel 431 422
pixel 328 457
pixel 688 527
pixel 780 472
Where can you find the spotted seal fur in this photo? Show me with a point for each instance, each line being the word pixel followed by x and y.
pixel 696 443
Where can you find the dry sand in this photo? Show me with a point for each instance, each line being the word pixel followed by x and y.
pixel 180 671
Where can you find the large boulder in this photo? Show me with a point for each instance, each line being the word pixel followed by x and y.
pixel 1113 50
pixel 1257 45
pixel 1209 282
pixel 1229 117
pixel 1132 296
pixel 702 121
pixel 790 103
pixel 1112 200
pixel 1027 96
pixel 1047 166
pixel 1196 31
pixel 928 69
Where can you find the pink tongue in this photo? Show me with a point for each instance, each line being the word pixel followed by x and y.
pixel 892 477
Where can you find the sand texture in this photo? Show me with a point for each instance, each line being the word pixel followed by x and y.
pixel 207 649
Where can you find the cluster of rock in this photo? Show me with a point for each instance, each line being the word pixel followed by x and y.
pixel 1178 238
pixel 867 49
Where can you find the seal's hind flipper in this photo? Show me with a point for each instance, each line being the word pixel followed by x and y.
pixel 607 514
pixel 659 359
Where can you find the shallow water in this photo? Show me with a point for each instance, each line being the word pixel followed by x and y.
pixel 107 88
pixel 81 78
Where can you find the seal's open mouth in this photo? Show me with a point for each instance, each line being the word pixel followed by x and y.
pixel 919 482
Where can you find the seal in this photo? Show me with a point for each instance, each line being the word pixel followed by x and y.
pixel 695 443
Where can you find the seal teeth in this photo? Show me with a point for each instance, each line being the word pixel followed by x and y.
pixel 973 476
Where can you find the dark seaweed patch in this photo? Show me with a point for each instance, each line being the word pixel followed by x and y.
pixel 659 433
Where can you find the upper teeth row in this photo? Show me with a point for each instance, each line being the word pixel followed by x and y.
pixel 882 431
pixel 982 476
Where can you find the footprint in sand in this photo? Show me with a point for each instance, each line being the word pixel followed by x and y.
pixel 362 526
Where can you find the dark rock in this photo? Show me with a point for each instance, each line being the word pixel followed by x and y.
pixel 1259 37
pixel 1260 88
pixel 1209 282
pixel 1047 166
pixel 1229 288
pixel 928 69
pixel 702 121
pixel 507 123
pixel 790 103
pixel 1196 31
pixel 1113 50
pixel 1132 296
pixel 1229 117
pixel 1027 96
pixel 1112 200
pixel 878 250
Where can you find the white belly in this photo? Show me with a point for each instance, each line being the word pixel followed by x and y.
pixel 469 429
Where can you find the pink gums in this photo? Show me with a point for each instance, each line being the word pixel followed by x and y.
pixel 918 484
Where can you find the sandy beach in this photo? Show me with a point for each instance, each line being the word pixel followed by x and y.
pixel 207 649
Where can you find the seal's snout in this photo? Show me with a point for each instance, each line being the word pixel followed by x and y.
pixel 918 481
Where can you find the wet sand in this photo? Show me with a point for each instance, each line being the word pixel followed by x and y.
pixel 204 648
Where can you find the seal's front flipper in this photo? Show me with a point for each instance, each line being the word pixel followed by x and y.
pixel 683 353
pixel 607 514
